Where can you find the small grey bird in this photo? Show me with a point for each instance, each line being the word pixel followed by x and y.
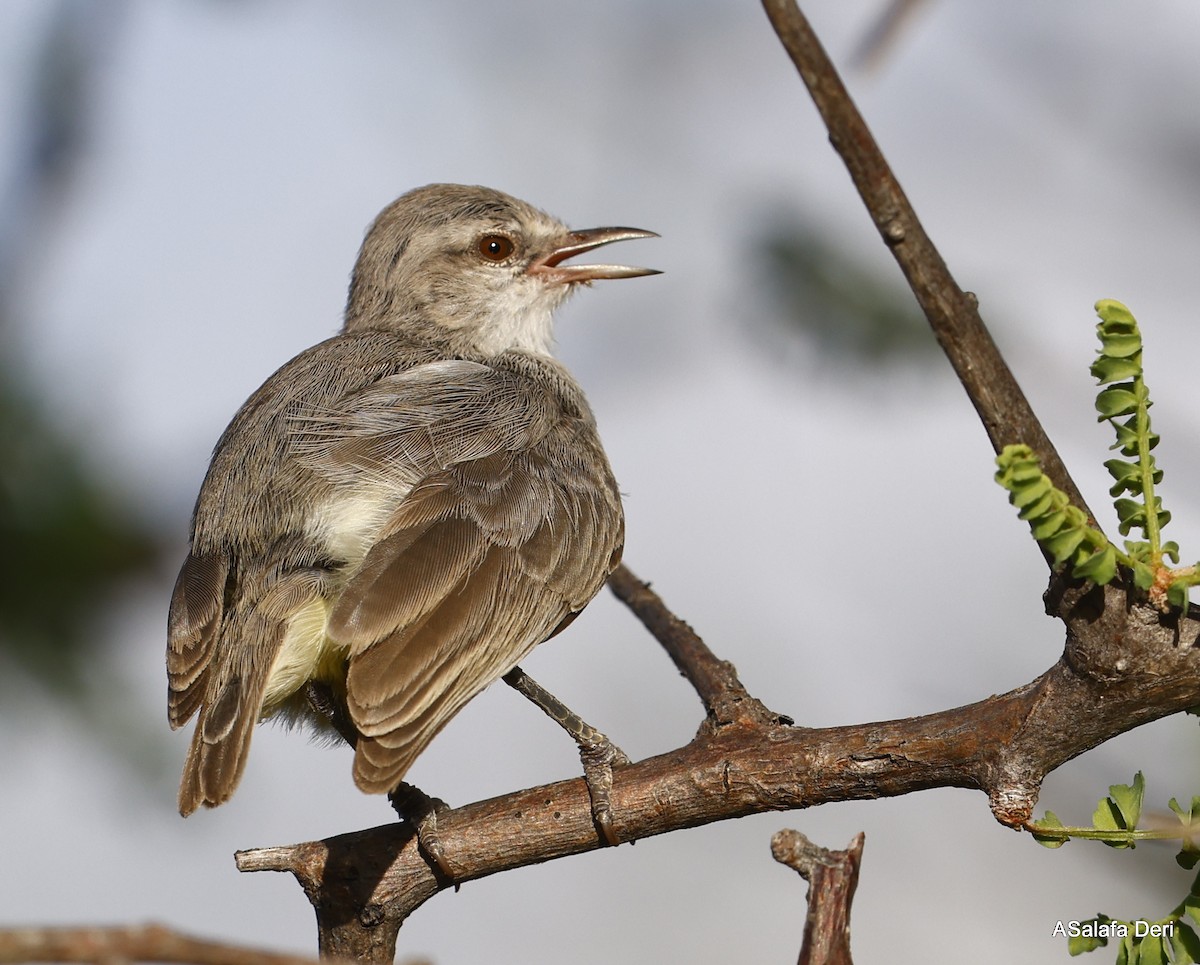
pixel 402 512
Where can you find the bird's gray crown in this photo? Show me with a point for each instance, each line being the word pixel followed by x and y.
pixel 426 267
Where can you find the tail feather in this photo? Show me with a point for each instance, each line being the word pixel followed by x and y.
pixel 214 766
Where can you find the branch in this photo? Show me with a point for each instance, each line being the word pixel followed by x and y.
pixel 952 313
pixel 725 699
pixel 1124 666
pixel 832 878
pixel 145 943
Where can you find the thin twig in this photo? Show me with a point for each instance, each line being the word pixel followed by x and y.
pixel 953 314
pixel 715 681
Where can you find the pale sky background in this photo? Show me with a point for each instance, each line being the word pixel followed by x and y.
pixel 237 153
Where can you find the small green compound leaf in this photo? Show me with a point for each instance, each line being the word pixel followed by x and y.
pixel 1049 840
pixel 1060 528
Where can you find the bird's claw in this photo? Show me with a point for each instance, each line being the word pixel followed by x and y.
pixel 599 757
pixel 420 810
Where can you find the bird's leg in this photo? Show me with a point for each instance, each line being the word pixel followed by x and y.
pixel 598 754
pixel 411 803
pixel 323 703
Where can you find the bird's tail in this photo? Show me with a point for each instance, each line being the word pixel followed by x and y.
pixel 220 746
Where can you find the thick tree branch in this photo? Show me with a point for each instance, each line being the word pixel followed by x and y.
pixel 953 313
pixel 1123 666
pixel 832 877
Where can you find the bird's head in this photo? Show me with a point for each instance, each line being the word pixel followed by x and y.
pixel 474 267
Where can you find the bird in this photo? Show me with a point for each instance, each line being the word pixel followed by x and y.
pixel 402 512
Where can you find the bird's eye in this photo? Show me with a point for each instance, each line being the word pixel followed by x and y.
pixel 495 247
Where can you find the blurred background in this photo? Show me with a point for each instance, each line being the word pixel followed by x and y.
pixel 183 189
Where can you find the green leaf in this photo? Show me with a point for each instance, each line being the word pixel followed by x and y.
pixel 1191 907
pixel 1185 943
pixel 1112 369
pixel 1127 438
pixel 1048 525
pixel 1049 841
pixel 1152 950
pixel 1031 492
pixel 1127 474
pixel 1138 550
pixel 1189 820
pixel 1143 575
pixel 1100 567
pixel 1063 544
pixel 1078 944
pixel 1121 810
pixel 1113 313
pixel 1120 346
pixel 1116 401
pixel 1128 799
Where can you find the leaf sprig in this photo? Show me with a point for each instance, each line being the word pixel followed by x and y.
pixel 1115 820
pixel 1062 529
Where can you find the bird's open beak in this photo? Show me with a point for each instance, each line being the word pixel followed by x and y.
pixel 550 267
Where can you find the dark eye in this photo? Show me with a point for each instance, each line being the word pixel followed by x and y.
pixel 495 247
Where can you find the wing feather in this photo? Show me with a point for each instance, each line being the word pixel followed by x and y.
pixel 197 604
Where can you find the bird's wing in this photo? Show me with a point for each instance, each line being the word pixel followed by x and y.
pixel 488 538
pixel 511 528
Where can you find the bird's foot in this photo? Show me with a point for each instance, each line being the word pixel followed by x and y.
pixel 598 754
pixel 420 810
